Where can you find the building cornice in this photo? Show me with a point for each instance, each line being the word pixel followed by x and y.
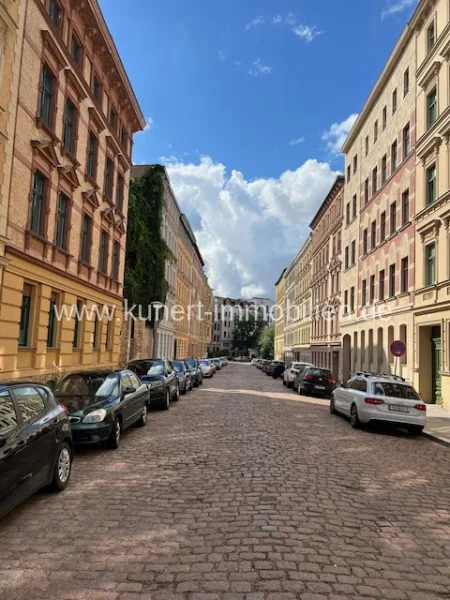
pixel 335 190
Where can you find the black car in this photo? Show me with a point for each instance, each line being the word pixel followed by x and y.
pixel 35 443
pixel 161 377
pixel 317 381
pixel 184 375
pixel 196 372
pixel 102 404
pixel 275 364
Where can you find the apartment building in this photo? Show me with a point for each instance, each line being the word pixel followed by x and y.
pixel 280 301
pixel 298 318
pixel 65 242
pixel 431 360
pixel 378 234
pixel 326 258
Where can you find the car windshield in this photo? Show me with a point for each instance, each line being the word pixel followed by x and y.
pixel 190 363
pixel 88 385
pixel 178 366
pixel 205 363
pixel 319 372
pixel 395 390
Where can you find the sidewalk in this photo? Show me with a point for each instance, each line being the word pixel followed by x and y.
pixel 438 424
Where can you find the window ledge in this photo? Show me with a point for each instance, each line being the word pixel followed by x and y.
pixel 70 155
pixel 404 226
pixel 41 124
pixel 26 348
pixel 92 181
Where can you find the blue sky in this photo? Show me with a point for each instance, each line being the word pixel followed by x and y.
pixel 241 99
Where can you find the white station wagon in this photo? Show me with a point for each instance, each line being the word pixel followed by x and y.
pixel 372 397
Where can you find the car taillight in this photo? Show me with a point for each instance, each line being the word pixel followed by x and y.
pixel 307 377
pixel 332 380
pixel 64 407
pixel 422 407
pixel 374 401
pixel 293 371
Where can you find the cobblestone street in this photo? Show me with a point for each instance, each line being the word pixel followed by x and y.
pixel 241 491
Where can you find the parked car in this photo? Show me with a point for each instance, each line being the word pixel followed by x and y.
pixel 278 369
pixel 196 372
pixel 206 367
pixel 160 376
pixel 184 376
pixel 102 404
pixel 213 366
pixel 273 364
pixel 291 372
pixel 265 365
pixel 224 360
pixel 370 398
pixel 317 381
pixel 217 362
pixel 299 377
pixel 35 443
pixel 259 364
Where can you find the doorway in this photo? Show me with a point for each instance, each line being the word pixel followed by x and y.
pixel 436 355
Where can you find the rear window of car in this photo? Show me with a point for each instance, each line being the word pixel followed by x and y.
pixel 395 390
pixel 319 372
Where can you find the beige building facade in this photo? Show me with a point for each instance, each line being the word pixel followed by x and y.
pixel 280 317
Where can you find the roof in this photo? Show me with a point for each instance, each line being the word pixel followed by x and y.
pixel 280 277
pixel 335 189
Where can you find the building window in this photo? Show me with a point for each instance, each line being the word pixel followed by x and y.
pixel 345 302
pixel 367 145
pixel 355 163
pixel 103 255
pixel 381 285
pixel 352 299
pixel 119 192
pixel 113 118
pixel 77 325
pixel 393 156
pixel 124 138
pixel 116 260
pixel 375 132
pixel 406 141
pixel 46 101
pixel 55 13
pixel 372 289
pixel 405 82
pixel 25 316
pixel 109 334
pixel 76 49
pixel 405 275
pixel 366 191
pixel 383 226
pixel 69 133
pixel 355 202
pixel 348 173
pixel 97 332
pixel 430 266
pixel 405 207
pixel 393 217
pixel 96 88
pixel 373 234
pixel 431 184
pixel 384 117
pixel 346 262
pixel 37 216
pixel 392 280
pixel 374 180
pixel 109 173
pixel 394 101
pixel 431 36
pixel 364 292
pixel 62 221
pixel 384 169
pixel 365 246
pixel 431 107
pixel 86 236
pixel 92 152
pixel 353 255
pixel 52 322
pixel 347 213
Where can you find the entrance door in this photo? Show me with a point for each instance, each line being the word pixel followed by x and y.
pixel 436 345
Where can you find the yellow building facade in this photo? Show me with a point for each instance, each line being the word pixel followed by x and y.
pixel 279 315
pixel 66 228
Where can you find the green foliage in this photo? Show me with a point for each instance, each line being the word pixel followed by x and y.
pixel 246 332
pixel 266 342
pixel 147 251
pixel 218 353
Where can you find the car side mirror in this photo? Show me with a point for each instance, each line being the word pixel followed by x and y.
pixel 342 384
pixel 129 390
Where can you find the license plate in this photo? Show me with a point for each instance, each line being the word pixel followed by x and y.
pixel 320 387
pixel 396 408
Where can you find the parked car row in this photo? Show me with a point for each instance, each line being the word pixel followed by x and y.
pixel 39 428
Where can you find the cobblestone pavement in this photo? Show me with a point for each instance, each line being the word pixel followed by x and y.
pixel 241 491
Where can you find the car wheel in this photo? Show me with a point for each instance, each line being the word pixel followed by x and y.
pixel 142 422
pixel 274 376
pixel 332 406
pixel 354 418
pixel 201 381
pixel 177 395
pixel 415 429
pixel 185 388
pixel 284 381
pixel 196 383
pixel 114 438
pixel 289 384
pixel 166 402
pixel 63 468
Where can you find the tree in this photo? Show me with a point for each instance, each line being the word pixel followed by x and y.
pixel 246 332
pixel 267 342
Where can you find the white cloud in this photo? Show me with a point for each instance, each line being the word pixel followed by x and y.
pixel 337 134
pixel 259 20
pixel 397 7
pixel 222 56
pixel 258 68
pixel 290 19
pixel 248 231
pixel 297 141
pixel 307 32
pixel 149 124
pixel 277 19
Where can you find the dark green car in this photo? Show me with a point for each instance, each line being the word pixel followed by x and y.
pixel 102 404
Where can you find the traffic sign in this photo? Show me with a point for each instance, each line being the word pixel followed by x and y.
pixel 398 348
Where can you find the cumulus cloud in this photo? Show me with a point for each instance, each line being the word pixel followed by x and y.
pixel 248 231
pixel 307 32
pixel 337 134
pixel 259 20
pixel 258 68
pixel 297 141
pixel 222 56
pixel 277 19
pixel 394 8
pixel 149 123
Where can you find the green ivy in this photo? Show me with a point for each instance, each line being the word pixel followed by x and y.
pixel 147 251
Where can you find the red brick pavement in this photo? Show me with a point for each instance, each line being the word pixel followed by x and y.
pixel 241 491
